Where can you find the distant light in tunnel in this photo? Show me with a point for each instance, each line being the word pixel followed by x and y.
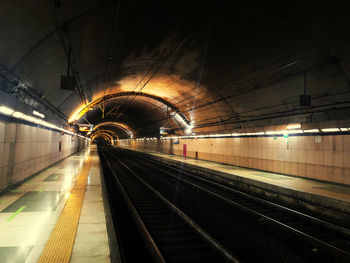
pixel 344 129
pixel 5 110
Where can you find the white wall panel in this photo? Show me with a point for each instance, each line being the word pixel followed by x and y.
pixel 2 131
pixel 25 150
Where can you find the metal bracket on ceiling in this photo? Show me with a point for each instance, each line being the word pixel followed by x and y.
pixel 13 85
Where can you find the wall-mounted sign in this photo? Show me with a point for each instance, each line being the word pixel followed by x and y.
pixel 164 130
pixel 85 127
pixel 318 139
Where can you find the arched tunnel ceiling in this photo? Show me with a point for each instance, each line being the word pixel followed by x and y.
pixel 141 114
pixel 223 64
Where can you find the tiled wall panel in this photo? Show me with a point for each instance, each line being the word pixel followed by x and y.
pixel 304 156
pixel 25 150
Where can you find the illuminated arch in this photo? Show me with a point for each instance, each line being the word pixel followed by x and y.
pixel 121 126
pixel 102 134
pixel 105 131
pixel 97 102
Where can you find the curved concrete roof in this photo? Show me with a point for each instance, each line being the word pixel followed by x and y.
pixel 222 64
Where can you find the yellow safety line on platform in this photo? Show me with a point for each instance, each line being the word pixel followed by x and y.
pixel 59 247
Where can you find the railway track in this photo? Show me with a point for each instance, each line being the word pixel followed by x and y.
pixel 169 234
pixel 325 242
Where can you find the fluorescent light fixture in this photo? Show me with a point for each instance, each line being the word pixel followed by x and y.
pixel 293 126
pixel 20 115
pixel 36 113
pixel 5 110
pixel 285 133
pixel 330 130
pixel 188 130
pixel 221 135
pixel 29 118
pixel 258 133
pixel 254 133
pixel 275 132
pixel 179 119
pixel 17 114
pixel 311 131
pixel 294 131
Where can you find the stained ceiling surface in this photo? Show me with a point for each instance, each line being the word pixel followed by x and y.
pixel 221 65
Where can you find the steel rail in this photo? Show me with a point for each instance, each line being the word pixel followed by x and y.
pixel 323 223
pixel 207 237
pixel 314 240
pixel 152 247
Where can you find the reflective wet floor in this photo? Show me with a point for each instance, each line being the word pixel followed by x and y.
pixel 29 213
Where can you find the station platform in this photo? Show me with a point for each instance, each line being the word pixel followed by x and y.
pixel 56 216
pixel 329 199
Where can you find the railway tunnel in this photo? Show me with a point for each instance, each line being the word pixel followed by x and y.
pixel 162 131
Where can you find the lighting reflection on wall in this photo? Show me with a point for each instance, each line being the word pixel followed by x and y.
pixel 19 115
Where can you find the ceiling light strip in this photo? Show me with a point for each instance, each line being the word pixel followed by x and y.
pixel 19 115
pixel 267 133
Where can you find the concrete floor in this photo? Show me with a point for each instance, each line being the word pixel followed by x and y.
pixel 91 241
pixel 30 212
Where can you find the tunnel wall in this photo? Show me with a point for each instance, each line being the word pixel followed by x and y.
pixel 25 150
pixel 324 158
